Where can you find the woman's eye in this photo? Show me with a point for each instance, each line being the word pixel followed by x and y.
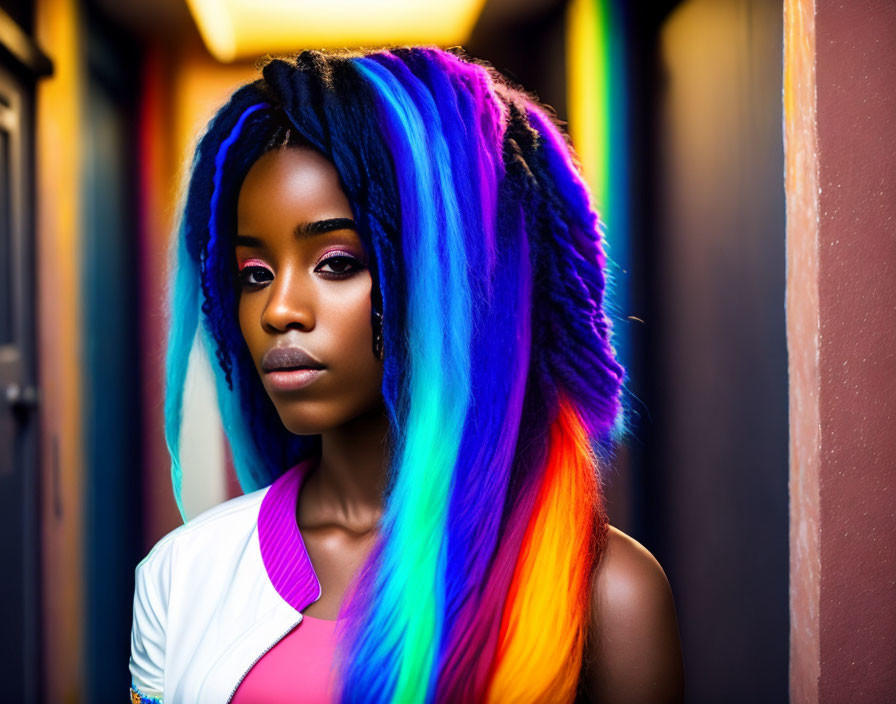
pixel 337 267
pixel 248 276
pixel 340 266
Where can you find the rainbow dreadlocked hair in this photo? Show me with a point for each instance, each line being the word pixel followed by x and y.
pixel 500 382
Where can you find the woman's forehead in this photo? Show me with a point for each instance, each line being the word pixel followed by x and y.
pixel 291 183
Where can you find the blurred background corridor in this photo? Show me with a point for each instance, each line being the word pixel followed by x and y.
pixel 675 108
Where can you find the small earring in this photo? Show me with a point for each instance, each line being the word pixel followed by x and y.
pixel 376 321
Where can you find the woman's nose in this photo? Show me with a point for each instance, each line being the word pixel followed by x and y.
pixel 291 303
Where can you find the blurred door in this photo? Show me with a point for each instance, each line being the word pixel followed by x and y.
pixel 721 456
pixel 19 496
pixel 111 354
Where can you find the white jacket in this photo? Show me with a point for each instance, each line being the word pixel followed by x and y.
pixel 212 597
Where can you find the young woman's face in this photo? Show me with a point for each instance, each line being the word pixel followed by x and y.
pixel 305 286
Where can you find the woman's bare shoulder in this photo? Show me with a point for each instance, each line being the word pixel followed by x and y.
pixel 634 655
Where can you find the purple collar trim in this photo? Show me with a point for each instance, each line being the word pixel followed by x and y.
pixel 282 548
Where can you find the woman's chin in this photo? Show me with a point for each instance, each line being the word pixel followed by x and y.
pixel 317 424
pixel 304 425
pixel 304 429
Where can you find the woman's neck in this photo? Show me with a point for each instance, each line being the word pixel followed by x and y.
pixel 347 486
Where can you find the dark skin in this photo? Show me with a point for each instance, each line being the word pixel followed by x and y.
pixel 312 290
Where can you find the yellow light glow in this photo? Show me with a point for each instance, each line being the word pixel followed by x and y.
pixel 585 86
pixel 233 29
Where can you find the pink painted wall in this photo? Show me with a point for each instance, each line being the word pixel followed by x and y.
pixel 856 94
pixel 842 342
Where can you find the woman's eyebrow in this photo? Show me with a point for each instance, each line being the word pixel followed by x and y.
pixel 320 227
pixel 305 230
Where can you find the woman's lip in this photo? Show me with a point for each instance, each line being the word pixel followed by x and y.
pixel 283 380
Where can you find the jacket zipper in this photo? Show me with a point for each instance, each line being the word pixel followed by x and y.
pixel 260 656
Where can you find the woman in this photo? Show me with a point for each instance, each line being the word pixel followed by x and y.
pixel 394 258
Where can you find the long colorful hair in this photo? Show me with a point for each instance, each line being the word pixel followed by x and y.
pixel 500 382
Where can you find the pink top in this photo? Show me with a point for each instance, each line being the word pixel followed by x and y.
pixel 296 668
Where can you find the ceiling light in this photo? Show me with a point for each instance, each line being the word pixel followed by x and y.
pixel 233 29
